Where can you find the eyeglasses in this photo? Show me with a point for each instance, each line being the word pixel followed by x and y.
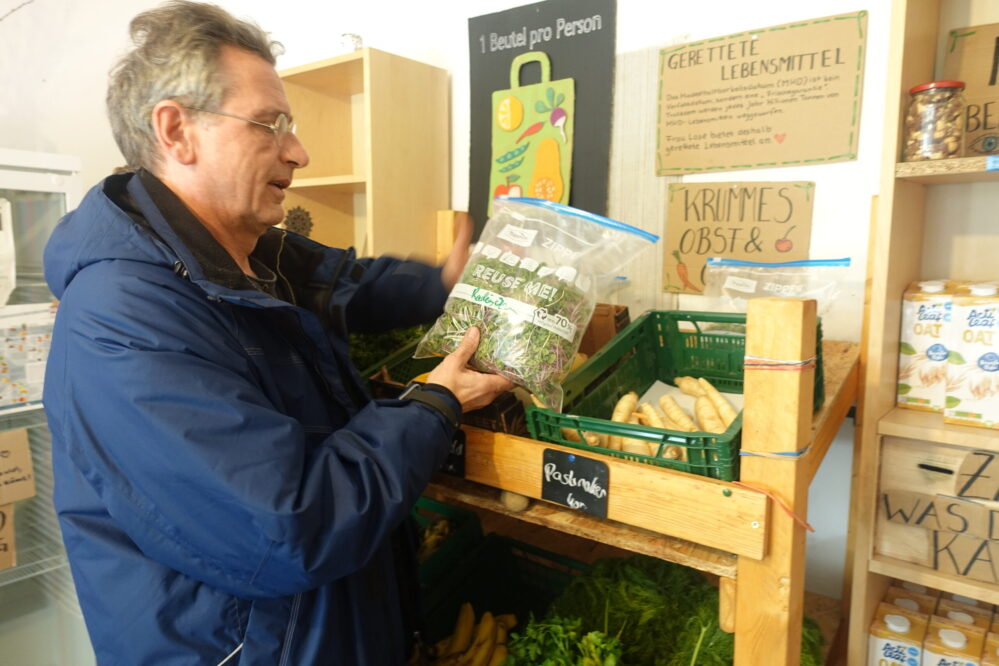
pixel 281 126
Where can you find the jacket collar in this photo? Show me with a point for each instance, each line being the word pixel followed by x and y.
pixel 201 257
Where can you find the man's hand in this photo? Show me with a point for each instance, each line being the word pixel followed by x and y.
pixel 458 257
pixel 472 388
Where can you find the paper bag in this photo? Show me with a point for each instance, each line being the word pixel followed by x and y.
pixel 532 135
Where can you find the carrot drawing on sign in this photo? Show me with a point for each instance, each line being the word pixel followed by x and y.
pixel 681 271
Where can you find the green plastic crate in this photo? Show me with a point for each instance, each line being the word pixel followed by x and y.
pixel 501 576
pixel 464 536
pixel 658 346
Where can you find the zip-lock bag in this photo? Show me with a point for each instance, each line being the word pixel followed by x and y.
pixel 532 135
pixel 735 281
pixel 530 287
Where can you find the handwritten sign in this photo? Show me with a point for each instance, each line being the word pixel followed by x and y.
pixel 967 556
pixel 574 481
pixel 978 476
pixel 17 478
pixel 941 513
pixel 973 57
pixel 779 96
pixel 760 221
pixel 8 553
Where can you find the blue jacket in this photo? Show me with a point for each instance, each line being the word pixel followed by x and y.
pixel 226 490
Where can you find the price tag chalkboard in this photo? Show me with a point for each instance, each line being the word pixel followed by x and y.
pixel 574 481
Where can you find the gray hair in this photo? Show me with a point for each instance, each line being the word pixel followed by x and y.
pixel 175 56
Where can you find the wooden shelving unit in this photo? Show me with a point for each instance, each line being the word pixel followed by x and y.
pixel 926 226
pixel 732 529
pixel 376 126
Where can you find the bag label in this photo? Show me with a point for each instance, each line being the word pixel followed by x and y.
pixel 538 316
pixel 518 235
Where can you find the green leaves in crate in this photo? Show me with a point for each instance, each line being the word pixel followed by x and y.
pixel 366 349
pixel 560 642
pixel 663 613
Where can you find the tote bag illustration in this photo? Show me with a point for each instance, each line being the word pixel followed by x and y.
pixel 532 135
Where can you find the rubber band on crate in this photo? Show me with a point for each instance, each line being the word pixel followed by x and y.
pixel 763 363
pixel 798 519
pixel 778 455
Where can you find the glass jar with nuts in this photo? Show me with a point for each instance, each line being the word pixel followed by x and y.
pixel 934 124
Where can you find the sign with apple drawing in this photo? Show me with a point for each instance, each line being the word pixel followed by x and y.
pixel 755 221
pixel 532 135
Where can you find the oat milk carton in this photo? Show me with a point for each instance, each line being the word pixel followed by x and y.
pixel 922 363
pixel 990 655
pixel 949 643
pixel 973 370
pixel 913 601
pixel 966 613
pixel 896 637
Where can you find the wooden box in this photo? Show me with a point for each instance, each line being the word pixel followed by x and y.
pixel 607 321
pixel 936 508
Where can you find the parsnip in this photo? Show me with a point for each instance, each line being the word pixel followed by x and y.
pixel 725 410
pixel 707 416
pixel 676 414
pixel 652 417
pixel 623 410
pixel 638 446
pixel 689 386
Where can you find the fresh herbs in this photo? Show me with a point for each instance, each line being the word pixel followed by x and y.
pixel 663 613
pixel 530 321
pixel 560 641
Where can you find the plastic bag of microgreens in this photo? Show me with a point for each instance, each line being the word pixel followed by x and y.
pixel 530 287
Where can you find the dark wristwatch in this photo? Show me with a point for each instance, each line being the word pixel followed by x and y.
pixel 417 392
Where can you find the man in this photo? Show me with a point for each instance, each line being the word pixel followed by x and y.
pixel 227 492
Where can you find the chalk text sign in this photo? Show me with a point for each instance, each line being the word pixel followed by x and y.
pixel 575 481
pixel 786 95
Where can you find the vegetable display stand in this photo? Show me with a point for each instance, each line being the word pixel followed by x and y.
pixel 463 535
pixel 727 528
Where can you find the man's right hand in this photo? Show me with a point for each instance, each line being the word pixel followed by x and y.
pixel 473 389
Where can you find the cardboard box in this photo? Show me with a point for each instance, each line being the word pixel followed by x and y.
pixel 607 321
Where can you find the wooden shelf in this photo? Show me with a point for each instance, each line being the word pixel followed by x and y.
pixel 889 566
pixel 942 172
pixel 637 540
pixel 672 528
pixel 350 183
pixel 930 427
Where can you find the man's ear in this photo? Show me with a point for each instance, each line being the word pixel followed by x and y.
pixel 175 131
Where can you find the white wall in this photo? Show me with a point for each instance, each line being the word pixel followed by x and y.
pixel 55 55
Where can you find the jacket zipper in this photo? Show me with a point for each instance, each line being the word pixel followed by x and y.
pixel 289 634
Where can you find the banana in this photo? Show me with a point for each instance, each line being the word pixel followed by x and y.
pixel 499 655
pixel 461 638
pixel 482 646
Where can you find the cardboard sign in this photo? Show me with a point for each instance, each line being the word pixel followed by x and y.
pixel 17 477
pixel 940 513
pixel 8 553
pixel 752 221
pixel 779 96
pixel 574 481
pixel 973 57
